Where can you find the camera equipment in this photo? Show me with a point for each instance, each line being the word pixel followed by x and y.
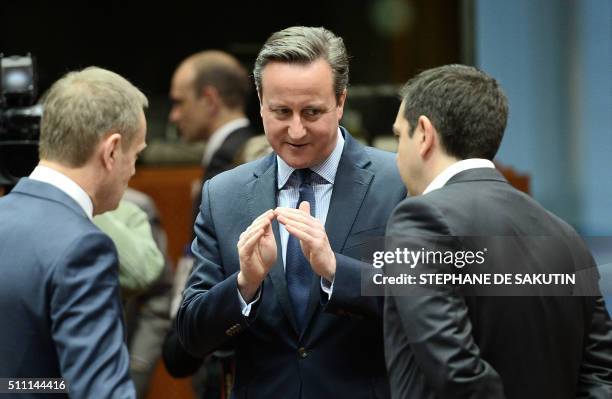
pixel 19 118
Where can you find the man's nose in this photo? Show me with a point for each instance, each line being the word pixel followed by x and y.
pixel 296 127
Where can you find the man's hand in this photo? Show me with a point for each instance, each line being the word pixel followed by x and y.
pixel 312 236
pixel 257 252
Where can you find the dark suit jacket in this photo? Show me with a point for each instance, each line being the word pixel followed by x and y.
pixel 59 295
pixel 224 159
pixel 179 363
pixel 225 156
pixel 449 345
pixel 340 352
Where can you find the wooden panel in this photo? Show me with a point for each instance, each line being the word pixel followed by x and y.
pixel 165 387
pixel 170 188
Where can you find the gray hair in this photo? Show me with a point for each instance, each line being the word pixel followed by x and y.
pixel 82 107
pixel 303 45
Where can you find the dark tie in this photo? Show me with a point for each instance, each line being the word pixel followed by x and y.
pixel 297 269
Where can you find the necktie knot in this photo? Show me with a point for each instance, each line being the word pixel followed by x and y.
pixel 304 176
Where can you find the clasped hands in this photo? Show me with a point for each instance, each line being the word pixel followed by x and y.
pixel 257 247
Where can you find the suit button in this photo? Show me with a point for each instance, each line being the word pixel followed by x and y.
pixel 302 352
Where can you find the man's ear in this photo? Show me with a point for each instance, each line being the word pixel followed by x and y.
pixel 109 148
pixel 429 139
pixel 210 94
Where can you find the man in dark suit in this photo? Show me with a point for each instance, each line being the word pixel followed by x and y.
pixel 59 289
pixel 444 343
pixel 275 282
pixel 209 91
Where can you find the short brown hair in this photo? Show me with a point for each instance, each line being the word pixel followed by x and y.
pixel 81 107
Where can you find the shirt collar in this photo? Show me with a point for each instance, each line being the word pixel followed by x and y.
pixel 326 169
pixel 218 137
pixel 456 168
pixel 65 184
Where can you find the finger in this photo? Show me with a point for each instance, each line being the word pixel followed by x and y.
pixel 305 207
pixel 287 210
pixel 299 224
pixel 262 220
pixel 312 223
pixel 296 214
pixel 249 244
pixel 269 215
pixel 263 224
pixel 303 232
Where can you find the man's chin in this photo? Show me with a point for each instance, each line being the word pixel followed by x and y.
pixel 298 162
pixel 299 157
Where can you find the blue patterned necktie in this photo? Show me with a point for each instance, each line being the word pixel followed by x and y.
pixel 297 268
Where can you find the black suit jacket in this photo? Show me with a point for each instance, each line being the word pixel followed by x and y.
pixel 452 345
pixel 224 159
pixel 177 360
pixel 340 352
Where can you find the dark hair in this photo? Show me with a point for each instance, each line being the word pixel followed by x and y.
pixel 466 106
pixel 304 44
pixel 223 72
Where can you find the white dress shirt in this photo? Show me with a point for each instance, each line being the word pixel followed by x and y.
pixel 218 137
pixel 456 168
pixel 65 184
pixel 288 195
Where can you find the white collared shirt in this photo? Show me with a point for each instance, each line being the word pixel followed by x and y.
pixel 65 184
pixel 218 137
pixel 322 185
pixel 288 195
pixel 456 168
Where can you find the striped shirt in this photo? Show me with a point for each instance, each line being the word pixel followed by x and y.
pixel 322 183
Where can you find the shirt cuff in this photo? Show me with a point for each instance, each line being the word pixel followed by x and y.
pixel 244 307
pixel 327 287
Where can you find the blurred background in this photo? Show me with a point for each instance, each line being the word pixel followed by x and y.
pixel 553 58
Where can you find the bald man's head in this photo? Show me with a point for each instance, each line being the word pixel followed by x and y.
pixel 206 87
pixel 222 71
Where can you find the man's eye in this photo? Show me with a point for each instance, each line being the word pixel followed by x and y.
pixel 311 112
pixel 281 112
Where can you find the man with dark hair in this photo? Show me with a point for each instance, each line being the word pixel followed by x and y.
pixel 59 288
pixel 461 341
pixel 276 274
pixel 209 92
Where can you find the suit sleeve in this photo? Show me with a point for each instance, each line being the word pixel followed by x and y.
pixel 87 320
pixel 346 298
pixel 210 315
pixel 179 363
pixel 435 324
pixel 353 277
pixel 595 379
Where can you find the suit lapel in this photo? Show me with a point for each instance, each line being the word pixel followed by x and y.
pixel 350 188
pixel 262 198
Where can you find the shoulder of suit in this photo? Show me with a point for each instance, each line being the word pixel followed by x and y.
pixel 240 175
pixel 380 157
